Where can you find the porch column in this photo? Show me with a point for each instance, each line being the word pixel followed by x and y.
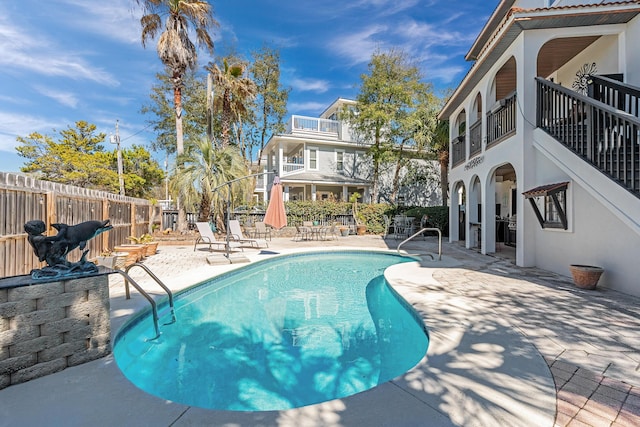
pixel 280 159
pixel 313 192
pixel 345 193
pixel 489 216
pixel 285 195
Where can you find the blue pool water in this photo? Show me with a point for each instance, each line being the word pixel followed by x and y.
pixel 278 334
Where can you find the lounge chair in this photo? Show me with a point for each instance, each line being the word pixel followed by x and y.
pixel 262 230
pixel 236 234
pixel 208 238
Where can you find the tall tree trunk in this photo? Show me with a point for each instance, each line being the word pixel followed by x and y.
pixel 177 101
pixel 444 176
pixel 226 119
pixel 205 208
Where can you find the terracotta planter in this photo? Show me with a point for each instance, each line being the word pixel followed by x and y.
pixel 361 229
pixel 344 232
pixel 117 260
pixel 585 276
pixel 152 248
pixel 138 250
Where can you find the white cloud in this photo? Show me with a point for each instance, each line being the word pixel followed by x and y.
pixel 114 19
pixel 14 125
pixel 30 50
pixel 310 85
pixel 358 47
pixel 65 98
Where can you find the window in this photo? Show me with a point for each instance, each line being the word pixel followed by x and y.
pixel 340 161
pixel 554 209
pixel 549 203
pixel 313 158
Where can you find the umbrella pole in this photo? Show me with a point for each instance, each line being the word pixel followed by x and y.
pixel 228 218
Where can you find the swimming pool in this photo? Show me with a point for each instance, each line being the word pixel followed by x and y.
pixel 278 334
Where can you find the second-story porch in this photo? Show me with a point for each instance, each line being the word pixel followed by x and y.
pixel 602 127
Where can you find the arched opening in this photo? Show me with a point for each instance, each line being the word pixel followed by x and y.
pixel 458 143
pixel 506 214
pixel 501 114
pixel 474 214
pixel 461 124
pixel 475 130
pixel 458 213
pixel 556 54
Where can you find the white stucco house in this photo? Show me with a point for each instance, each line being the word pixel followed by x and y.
pixel 319 158
pixel 545 137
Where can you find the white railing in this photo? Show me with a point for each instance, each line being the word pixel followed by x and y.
pixel 292 167
pixel 312 124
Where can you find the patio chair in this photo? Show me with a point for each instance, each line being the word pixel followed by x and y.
pixel 387 225
pixel 262 230
pixel 328 232
pixel 302 233
pixel 208 238
pixel 236 234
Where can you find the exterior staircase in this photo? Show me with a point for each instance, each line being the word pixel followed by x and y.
pixel 594 141
pixel 603 128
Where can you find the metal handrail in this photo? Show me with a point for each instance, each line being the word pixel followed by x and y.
pixel 154 308
pixel 422 231
pixel 158 281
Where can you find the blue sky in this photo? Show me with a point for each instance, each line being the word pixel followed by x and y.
pixel 67 60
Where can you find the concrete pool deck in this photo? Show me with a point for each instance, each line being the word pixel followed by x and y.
pixel 509 347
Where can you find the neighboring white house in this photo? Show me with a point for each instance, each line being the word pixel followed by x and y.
pixel 318 158
pixel 545 137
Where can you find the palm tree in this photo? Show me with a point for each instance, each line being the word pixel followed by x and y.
pixel 204 168
pixel 440 149
pixel 175 48
pixel 233 90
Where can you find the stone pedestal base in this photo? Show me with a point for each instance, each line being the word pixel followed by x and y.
pixel 46 327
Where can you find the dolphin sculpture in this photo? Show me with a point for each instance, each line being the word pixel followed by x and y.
pixel 77 236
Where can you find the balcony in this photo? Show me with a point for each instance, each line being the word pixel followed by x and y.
pixel 292 164
pixel 458 150
pixel 475 138
pixel 501 121
pixel 324 127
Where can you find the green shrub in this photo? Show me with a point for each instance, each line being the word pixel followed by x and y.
pixel 371 214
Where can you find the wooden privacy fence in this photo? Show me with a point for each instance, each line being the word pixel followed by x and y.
pixel 23 199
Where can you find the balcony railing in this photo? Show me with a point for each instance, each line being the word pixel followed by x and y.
pixel 605 136
pixel 618 95
pixel 458 150
pixel 292 167
pixel 312 124
pixel 501 122
pixel 475 138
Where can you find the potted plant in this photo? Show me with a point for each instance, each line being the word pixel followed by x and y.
pixel 146 240
pixel 585 276
pixel 150 243
pixel 344 231
pixel 361 227
pixel 111 259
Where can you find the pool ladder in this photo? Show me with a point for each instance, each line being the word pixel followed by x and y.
pixel 154 307
pixel 422 231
